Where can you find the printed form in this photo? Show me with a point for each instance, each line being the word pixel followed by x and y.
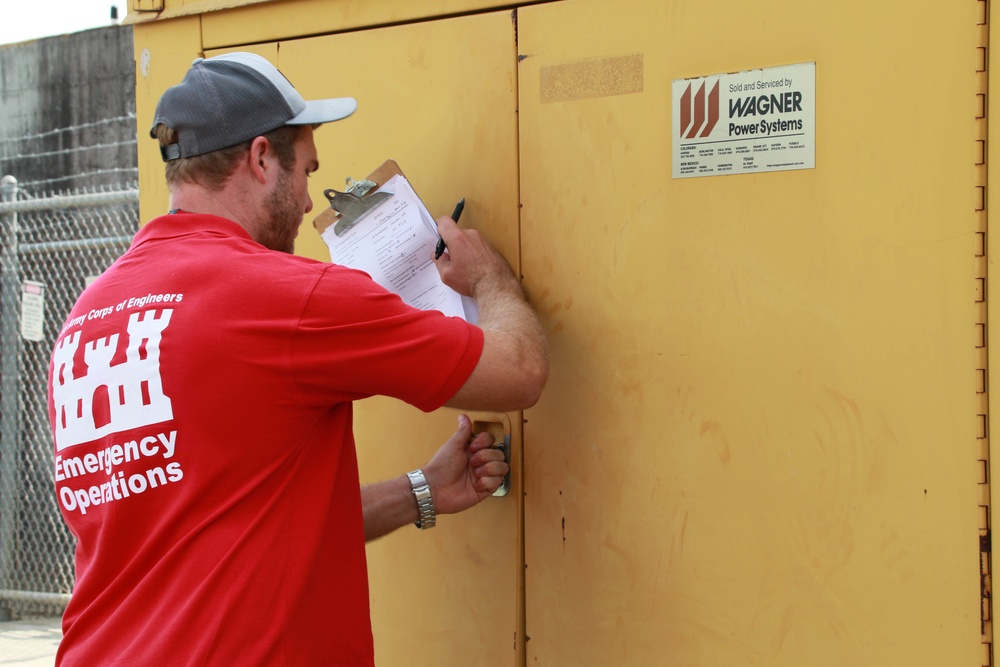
pixel 394 244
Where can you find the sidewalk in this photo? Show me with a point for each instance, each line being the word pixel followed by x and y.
pixel 29 643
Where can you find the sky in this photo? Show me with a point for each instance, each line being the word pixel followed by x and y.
pixel 24 20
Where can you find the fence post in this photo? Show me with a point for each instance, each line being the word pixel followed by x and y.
pixel 10 416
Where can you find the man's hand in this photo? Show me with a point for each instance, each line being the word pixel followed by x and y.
pixel 465 470
pixel 471 264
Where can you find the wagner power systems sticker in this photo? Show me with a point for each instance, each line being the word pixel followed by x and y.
pixel 754 121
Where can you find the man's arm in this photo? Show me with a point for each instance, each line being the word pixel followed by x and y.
pixel 514 366
pixel 460 475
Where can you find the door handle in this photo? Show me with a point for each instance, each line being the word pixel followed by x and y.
pixel 499 427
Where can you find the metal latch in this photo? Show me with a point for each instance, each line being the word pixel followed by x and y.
pixel 353 204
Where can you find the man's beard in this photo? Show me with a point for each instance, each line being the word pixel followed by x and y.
pixel 284 215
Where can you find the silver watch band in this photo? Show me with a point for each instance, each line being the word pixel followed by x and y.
pixel 425 504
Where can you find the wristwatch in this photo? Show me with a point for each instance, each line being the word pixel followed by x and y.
pixel 425 504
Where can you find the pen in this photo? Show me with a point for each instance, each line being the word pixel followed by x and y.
pixel 439 250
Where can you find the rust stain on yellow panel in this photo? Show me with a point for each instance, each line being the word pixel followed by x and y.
pixel 595 77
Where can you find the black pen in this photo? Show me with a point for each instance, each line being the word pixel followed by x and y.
pixel 439 250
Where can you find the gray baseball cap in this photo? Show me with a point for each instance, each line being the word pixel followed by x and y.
pixel 228 99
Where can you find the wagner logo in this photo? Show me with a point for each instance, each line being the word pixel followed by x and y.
pixel 700 113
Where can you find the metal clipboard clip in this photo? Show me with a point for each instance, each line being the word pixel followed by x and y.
pixel 354 204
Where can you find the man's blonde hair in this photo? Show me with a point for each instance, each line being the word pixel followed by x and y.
pixel 212 170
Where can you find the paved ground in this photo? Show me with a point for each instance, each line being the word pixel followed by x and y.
pixel 29 643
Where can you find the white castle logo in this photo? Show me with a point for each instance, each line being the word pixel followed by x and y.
pixel 134 388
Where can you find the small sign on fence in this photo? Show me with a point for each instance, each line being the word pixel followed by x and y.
pixel 32 310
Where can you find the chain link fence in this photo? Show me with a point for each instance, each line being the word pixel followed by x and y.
pixel 53 243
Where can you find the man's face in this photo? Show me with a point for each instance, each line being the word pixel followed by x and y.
pixel 289 201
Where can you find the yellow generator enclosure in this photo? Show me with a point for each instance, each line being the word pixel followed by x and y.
pixel 756 236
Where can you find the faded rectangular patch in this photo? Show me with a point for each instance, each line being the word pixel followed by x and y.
pixel 596 77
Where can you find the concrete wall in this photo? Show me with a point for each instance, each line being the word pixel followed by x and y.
pixel 68 110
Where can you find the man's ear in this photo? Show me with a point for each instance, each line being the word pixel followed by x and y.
pixel 260 159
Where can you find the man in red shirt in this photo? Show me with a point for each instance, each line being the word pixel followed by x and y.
pixel 201 394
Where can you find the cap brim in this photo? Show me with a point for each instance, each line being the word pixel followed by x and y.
pixel 325 111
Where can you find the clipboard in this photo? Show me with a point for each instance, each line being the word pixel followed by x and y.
pixel 390 235
pixel 361 197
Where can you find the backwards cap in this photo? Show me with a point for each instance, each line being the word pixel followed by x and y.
pixel 232 98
